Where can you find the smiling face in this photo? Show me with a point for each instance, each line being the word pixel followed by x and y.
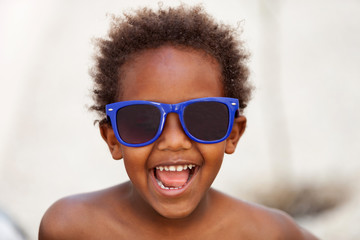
pixel 172 75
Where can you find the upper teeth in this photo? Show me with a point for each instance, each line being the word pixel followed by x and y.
pixel 174 168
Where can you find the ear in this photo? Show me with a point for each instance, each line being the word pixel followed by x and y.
pixel 108 135
pixel 235 135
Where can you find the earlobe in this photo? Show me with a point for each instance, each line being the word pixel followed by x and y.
pixel 108 135
pixel 235 135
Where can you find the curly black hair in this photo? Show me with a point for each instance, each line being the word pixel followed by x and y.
pixel 185 26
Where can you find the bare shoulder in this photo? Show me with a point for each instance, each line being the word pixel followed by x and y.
pixel 77 216
pixel 61 220
pixel 279 224
pixel 255 221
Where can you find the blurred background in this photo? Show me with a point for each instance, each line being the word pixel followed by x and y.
pixel 301 150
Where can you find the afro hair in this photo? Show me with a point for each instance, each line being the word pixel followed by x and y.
pixel 184 26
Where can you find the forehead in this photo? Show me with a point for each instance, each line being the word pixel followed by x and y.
pixel 170 74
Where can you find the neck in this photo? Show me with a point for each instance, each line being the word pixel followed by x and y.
pixel 148 216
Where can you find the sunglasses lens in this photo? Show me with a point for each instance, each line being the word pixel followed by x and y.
pixel 138 123
pixel 207 121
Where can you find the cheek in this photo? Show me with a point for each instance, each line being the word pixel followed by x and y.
pixel 135 154
pixel 136 162
pixel 213 155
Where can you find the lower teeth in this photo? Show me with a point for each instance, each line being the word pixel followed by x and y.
pixel 168 188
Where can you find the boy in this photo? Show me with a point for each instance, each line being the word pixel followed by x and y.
pixel 170 87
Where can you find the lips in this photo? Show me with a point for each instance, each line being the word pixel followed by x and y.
pixel 174 178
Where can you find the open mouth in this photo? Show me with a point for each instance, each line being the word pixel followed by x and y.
pixel 173 177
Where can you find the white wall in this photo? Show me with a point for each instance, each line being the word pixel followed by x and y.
pixel 302 122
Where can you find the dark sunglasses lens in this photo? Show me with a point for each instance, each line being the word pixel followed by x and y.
pixel 138 123
pixel 207 121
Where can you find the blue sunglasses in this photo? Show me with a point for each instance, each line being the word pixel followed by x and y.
pixel 204 120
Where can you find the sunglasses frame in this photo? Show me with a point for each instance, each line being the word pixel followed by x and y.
pixel 112 109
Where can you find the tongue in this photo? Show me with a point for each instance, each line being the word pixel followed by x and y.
pixel 173 179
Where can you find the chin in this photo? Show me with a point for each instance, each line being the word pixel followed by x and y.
pixel 176 215
pixel 176 212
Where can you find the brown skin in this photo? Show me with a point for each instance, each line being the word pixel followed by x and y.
pixel 137 209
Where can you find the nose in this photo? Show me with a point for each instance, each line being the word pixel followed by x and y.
pixel 173 136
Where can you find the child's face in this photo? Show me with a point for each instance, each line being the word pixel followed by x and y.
pixel 172 75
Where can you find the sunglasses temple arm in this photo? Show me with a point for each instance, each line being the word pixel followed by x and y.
pixel 237 113
pixel 108 120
